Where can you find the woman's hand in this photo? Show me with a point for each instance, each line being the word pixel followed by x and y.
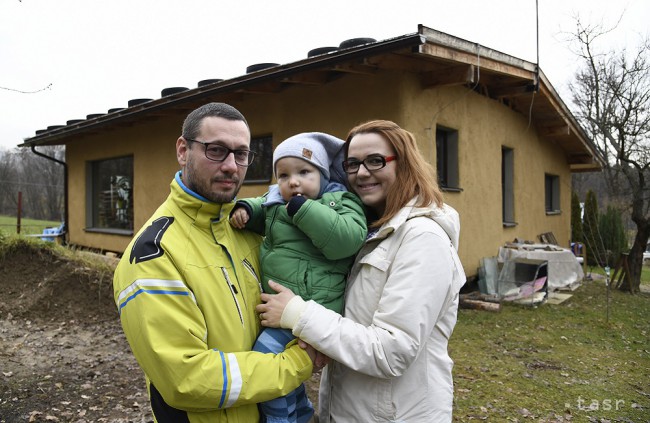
pixel 273 305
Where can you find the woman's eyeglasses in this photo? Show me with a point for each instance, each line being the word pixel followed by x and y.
pixel 219 153
pixel 371 163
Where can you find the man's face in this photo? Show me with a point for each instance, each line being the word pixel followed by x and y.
pixel 219 182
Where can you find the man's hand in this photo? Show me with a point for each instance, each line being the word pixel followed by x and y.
pixel 273 305
pixel 319 359
pixel 239 217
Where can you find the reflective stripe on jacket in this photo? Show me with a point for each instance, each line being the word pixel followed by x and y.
pixel 186 290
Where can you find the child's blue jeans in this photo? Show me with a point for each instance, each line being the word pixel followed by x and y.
pixel 295 407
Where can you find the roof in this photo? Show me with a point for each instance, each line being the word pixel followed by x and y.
pixel 439 58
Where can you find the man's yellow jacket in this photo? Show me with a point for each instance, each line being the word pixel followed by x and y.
pixel 186 290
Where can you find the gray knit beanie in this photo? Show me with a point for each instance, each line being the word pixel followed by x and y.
pixel 322 150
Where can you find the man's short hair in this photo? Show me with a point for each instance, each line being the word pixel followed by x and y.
pixel 192 123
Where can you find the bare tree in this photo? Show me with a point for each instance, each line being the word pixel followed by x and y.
pixel 51 179
pixel 611 95
pixel 40 180
pixel 7 176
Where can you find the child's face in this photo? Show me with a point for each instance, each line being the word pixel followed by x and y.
pixel 297 176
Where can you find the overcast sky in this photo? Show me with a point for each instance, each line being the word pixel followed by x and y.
pixel 65 59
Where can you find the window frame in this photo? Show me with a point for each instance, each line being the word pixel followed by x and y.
pixel 263 148
pixel 93 209
pixel 447 158
pixel 508 186
pixel 552 194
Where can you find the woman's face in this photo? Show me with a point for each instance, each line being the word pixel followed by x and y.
pixel 372 187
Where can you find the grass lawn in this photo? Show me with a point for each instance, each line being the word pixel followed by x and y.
pixel 555 363
pixel 27 226
pixel 584 360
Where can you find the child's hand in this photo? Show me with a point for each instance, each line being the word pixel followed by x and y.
pixel 239 217
pixel 286 206
pixel 294 204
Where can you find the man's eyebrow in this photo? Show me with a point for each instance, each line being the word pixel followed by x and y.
pixel 224 144
pixel 217 141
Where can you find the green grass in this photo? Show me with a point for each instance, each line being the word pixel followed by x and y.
pixel 12 243
pixel 555 363
pixel 27 226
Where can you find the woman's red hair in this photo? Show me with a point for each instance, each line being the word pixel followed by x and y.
pixel 415 176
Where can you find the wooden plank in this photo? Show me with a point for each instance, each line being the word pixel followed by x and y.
pixel 265 88
pixel 355 68
pixel 311 78
pixel 479 305
pixel 455 75
pixel 512 90
pixel 404 61
pixel 554 131
pixel 483 63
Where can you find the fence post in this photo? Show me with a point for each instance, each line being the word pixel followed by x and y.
pixel 20 206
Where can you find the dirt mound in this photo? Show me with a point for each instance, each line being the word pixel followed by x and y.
pixel 63 355
pixel 39 283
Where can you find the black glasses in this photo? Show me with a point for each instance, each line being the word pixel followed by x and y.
pixel 371 163
pixel 219 153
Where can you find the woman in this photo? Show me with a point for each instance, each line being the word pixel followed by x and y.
pixel 389 352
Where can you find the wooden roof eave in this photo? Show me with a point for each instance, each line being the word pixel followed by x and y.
pixel 518 82
pixel 447 47
pixel 596 161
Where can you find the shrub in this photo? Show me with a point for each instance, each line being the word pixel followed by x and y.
pixel 613 235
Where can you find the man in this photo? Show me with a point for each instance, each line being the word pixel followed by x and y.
pixel 187 286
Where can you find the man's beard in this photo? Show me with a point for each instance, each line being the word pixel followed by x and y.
pixel 204 188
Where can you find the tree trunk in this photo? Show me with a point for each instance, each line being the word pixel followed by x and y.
pixel 632 283
pixel 479 305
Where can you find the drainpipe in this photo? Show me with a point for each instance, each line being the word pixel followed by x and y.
pixel 65 186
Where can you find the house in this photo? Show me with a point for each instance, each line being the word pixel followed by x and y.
pixel 502 140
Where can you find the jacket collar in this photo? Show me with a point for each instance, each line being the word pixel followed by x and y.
pixel 196 207
pixel 446 216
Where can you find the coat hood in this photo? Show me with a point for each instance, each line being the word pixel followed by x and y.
pixel 446 216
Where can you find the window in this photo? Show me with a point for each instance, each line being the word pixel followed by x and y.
pixel 447 157
pixel 507 186
pixel 110 186
pixel 552 193
pixel 261 169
